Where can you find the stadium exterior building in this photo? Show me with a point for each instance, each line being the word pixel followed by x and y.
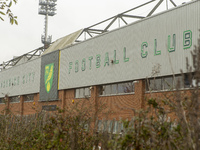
pixel 120 68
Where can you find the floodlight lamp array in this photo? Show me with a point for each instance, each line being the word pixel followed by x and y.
pixel 48 2
pixel 47 7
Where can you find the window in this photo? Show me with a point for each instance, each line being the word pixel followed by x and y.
pixel 154 84
pixel 115 128
pixel 179 81
pixel 184 81
pixel 14 99
pixel 99 125
pixel 2 101
pixel 114 89
pixel 29 98
pixel 168 82
pixel 106 89
pixel 158 84
pixel 151 84
pixel 108 125
pixel 187 83
pixel 126 87
pixel 82 92
pixel 117 88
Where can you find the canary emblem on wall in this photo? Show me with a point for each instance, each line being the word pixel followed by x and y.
pixel 49 69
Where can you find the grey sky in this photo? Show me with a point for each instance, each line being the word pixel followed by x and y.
pixel 71 16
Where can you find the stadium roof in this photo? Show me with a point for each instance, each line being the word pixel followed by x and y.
pixel 63 42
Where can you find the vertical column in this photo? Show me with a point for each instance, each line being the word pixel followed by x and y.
pixel 36 103
pixel 140 91
pixel 7 105
pixel 62 97
pixel 21 105
pixel 94 96
pixel 36 106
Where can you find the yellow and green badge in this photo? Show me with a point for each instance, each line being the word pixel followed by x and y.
pixel 49 76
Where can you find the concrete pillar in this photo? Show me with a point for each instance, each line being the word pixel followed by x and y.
pixel 21 105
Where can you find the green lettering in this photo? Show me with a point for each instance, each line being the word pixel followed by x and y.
pixel 90 59
pixel 98 61
pixel 83 64
pixel 15 81
pixel 26 78
pixel 29 77
pixel 6 83
pixel 70 66
pixel 106 61
pixel 155 48
pixel 115 61
pixel 9 82
pixel 18 80
pixel 125 59
pixel 173 48
pixel 187 39
pixel 23 78
pixel 144 54
pixel 76 66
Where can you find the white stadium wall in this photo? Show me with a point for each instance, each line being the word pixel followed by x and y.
pixel 161 42
pixel 21 79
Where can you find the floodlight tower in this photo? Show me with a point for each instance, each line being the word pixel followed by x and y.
pixel 47 8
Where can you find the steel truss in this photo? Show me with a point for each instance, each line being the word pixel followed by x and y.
pixel 91 31
pixel 28 56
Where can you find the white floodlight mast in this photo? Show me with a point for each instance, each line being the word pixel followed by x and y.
pixel 47 8
pixel 46 22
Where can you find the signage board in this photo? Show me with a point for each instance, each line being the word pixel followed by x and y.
pixel 49 76
pixel 155 46
pixel 21 79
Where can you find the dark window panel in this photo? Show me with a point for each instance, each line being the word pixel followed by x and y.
pixel 87 91
pixel 14 99
pixel 178 82
pixel 28 98
pixel 151 84
pixel 114 89
pixel 77 93
pixel 168 83
pixel 107 90
pixel 158 84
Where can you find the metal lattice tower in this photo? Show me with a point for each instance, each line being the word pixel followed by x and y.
pixel 47 8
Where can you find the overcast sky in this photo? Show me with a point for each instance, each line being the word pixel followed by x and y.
pixel 15 40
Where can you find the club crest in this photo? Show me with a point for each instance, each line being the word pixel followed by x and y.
pixel 49 76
